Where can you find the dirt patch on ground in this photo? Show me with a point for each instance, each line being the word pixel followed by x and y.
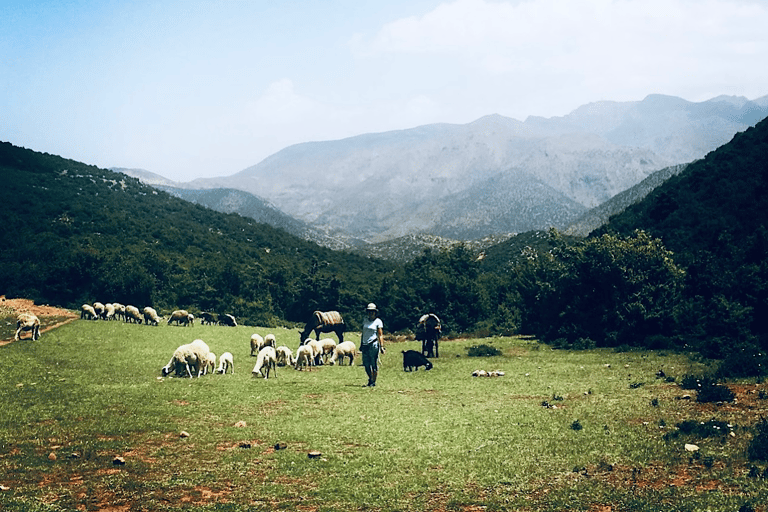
pixel 50 317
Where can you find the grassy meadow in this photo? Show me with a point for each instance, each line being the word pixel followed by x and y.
pixel 588 430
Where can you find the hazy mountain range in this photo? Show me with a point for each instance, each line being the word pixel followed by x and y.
pixel 493 176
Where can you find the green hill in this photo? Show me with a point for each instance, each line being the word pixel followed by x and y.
pixel 713 216
pixel 74 233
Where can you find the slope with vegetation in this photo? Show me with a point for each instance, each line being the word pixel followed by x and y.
pixel 76 233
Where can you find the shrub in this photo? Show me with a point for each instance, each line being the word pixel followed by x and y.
pixel 482 351
pixel 711 392
pixel 758 447
pixel 701 429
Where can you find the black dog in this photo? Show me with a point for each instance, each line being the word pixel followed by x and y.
pixel 413 359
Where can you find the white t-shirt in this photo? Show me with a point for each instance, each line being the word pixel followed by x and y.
pixel 370 331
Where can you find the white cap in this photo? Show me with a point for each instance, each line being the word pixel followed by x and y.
pixel 371 307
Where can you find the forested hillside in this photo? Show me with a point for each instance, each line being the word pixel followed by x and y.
pixel 714 217
pixel 74 233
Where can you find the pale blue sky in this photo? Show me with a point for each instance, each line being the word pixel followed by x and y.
pixel 189 88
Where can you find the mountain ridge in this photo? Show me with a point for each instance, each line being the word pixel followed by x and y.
pixel 380 186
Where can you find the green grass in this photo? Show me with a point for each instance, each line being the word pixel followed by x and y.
pixel 425 440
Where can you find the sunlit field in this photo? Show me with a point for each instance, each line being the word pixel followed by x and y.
pixel 87 422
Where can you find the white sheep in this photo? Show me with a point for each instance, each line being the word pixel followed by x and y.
pixel 317 350
pixel 270 340
pixel 256 343
pixel 342 350
pixel 284 356
pixel 87 312
pixel 119 310
pixel 267 360
pixel 100 309
pixel 27 322
pixel 210 363
pixel 188 357
pixel 151 316
pixel 181 316
pixel 109 311
pixel 304 357
pixel 226 362
pixel 327 346
pixel 132 314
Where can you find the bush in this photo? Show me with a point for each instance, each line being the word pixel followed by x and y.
pixel 482 351
pixel 711 392
pixel 758 447
pixel 701 429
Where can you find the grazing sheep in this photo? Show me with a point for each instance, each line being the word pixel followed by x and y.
pixel 87 312
pixel 100 309
pixel 412 359
pixel 188 357
pixel 208 318
pixel 342 350
pixel 256 343
pixel 317 351
pixel 132 314
pixel 27 322
pixel 327 346
pixel 226 362
pixel 227 319
pixel 267 360
pixel 304 357
pixel 284 356
pixel 210 363
pixel 181 316
pixel 270 340
pixel 119 311
pixel 109 311
pixel 151 316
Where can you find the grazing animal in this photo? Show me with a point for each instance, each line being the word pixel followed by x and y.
pixel 119 311
pixel 342 350
pixel 257 342
pixel 208 318
pixel 327 346
pixel 151 316
pixel 304 357
pixel 413 359
pixel 132 314
pixel 227 319
pixel 429 331
pixel 267 360
pixel 284 356
pixel 87 312
pixel 209 364
pixel 27 322
pixel 329 321
pixel 317 351
pixel 100 309
pixel 109 311
pixel 226 362
pixel 189 357
pixel 181 316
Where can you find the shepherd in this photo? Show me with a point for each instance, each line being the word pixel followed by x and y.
pixel 324 321
pixel 429 332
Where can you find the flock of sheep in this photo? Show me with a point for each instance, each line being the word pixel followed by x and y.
pixel 148 315
pixel 196 359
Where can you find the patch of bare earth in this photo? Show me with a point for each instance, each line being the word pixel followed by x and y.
pixel 50 317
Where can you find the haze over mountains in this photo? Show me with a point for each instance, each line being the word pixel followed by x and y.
pixel 494 175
